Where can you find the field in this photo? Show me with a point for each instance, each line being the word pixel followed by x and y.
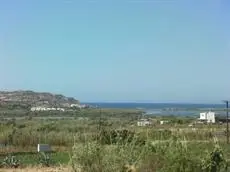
pixel 109 140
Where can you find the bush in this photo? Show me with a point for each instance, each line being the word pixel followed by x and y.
pixel 87 157
pixel 162 156
pixel 10 161
pixel 215 161
pixel 94 157
pixel 115 136
pixel 44 159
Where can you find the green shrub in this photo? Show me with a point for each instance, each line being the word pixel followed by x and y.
pixel 10 161
pixel 44 159
pixel 115 136
pixel 174 155
pixel 215 161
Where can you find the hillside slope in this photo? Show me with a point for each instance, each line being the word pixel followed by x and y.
pixel 31 98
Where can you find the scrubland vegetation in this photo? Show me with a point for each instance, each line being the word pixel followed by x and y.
pixel 110 141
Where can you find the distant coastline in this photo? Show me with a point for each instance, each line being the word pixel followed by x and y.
pixel 177 109
pixel 153 105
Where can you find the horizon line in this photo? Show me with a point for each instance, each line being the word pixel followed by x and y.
pixel 150 102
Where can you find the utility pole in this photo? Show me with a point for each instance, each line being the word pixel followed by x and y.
pixel 226 102
pixel 100 120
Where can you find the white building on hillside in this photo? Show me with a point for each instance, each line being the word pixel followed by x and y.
pixel 164 122
pixel 75 105
pixel 144 122
pixel 79 106
pixel 208 117
pixel 33 109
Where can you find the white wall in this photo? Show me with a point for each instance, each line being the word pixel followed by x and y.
pixel 143 123
pixel 203 116
pixel 209 116
pixel 46 109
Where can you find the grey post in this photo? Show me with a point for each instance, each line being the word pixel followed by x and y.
pixel 226 102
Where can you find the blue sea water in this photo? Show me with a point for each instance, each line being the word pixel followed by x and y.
pixel 155 105
pixel 163 108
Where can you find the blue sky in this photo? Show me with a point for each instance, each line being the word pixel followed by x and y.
pixel 159 51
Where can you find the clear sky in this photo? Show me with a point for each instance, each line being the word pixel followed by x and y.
pixel 142 50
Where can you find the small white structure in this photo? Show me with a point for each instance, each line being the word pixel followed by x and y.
pixel 190 125
pixel 208 117
pixel 75 105
pixel 44 148
pixel 46 109
pixel 79 106
pixel 144 122
pixel 163 122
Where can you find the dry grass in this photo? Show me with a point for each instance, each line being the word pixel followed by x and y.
pixel 38 169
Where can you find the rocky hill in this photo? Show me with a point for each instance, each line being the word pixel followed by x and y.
pixel 31 98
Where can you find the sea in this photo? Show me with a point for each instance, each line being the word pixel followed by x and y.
pixel 178 109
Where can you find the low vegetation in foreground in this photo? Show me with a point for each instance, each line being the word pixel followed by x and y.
pixel 110 141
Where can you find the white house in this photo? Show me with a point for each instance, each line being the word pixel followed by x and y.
pixel 79 106
pixel 144 122
pixel 46 109
pixel 163 122
pixel 209 117
pixel 75 105
pixel 60 109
